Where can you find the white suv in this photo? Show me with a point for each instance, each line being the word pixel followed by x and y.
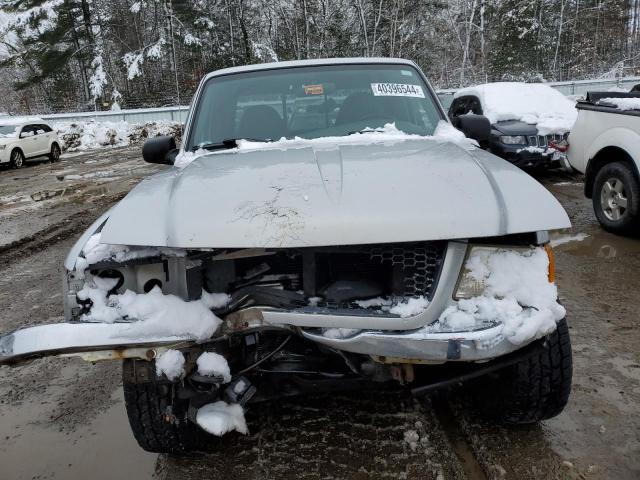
pixel 26 140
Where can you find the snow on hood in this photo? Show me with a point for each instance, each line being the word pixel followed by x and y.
pixel 533 103
pixel 389 133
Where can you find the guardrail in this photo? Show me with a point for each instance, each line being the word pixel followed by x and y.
pixel 580 87
pixel 137 115
pixel 576 87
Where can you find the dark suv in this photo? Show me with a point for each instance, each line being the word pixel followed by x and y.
pixel 514 140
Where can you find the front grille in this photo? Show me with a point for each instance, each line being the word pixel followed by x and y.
pixel 544 140
pixel 418 265
pixel 337 277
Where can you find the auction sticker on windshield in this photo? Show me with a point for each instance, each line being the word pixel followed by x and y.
pixel 396 90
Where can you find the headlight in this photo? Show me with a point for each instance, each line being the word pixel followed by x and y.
pixel 513 139
pixel 2 147
pixel 472 281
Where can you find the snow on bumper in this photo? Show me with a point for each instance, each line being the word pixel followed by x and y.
pixel 427 344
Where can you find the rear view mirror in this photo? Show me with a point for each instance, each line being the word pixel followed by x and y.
pixel 160 150
pixel 476 127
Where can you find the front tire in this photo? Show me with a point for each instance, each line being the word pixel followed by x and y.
pixel 616 199
pixel 538 387
pixel 54 155
pixel 157 417
pixel 16 159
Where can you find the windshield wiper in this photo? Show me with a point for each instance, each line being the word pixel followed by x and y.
pixel 226 144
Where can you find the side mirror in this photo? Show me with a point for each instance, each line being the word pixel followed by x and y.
pixel 476 127
pixel 160 150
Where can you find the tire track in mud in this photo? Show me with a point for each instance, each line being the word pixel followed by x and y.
pixel 51 202
pixel 458 439
pixel 346 436
pixel 44 238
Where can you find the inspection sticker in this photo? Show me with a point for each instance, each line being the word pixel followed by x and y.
pixel 313 89
pixel 396 90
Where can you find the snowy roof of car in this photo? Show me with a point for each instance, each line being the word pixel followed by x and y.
pixel 532 103
pixel 309 63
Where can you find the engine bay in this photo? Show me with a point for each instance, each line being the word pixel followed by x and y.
pixel 341 278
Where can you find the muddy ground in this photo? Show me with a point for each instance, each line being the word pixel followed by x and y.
pixel 63 418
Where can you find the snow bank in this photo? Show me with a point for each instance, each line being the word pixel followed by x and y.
pixel 94 252
pixel 444 132
pixel 150 314
pixel 220 417
pixel 90 135
pixel 518 295
pixel 212 364
pixel 532 103
pixel 171 364
pixel 621 103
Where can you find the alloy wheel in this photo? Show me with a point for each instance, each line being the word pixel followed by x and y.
pixel 613 199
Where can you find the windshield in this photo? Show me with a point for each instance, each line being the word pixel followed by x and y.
pixel 312 102
pixel 8 130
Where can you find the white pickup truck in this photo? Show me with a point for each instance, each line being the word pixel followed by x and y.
pixel 605 146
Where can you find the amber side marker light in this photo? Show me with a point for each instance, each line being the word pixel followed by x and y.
pixel 552 263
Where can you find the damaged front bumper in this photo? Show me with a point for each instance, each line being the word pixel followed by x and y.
pixel 423 345
pixel 386 338
pixel 91 341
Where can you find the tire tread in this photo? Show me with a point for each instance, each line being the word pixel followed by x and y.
pixel 146 400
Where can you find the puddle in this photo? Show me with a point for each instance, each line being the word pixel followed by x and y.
pixel 595 242
pixel 33 447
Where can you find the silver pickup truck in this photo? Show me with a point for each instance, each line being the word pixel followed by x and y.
pixel 605 146
pixel 322 227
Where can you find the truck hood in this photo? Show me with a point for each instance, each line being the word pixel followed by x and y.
pixel 515 127
pixel 331 194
